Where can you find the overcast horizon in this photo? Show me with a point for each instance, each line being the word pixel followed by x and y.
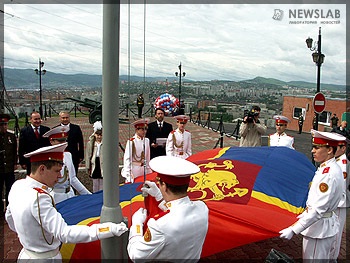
pixel 225 42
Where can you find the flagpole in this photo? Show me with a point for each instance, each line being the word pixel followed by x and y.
pixel 111 248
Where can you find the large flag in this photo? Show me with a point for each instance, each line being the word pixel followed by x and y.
pixel 251 193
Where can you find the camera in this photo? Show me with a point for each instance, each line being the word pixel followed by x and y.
pixel 250 114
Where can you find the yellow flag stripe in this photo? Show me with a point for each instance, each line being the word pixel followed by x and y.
pixel 277 202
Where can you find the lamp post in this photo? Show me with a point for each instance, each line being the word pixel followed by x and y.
pixel 318 58
pixel 40 72
pixel 183 74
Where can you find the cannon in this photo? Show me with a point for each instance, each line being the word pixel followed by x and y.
pixel 95 108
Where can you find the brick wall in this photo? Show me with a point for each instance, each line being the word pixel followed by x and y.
pixel 337 106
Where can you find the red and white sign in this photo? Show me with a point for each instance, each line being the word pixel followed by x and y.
pixel 319 102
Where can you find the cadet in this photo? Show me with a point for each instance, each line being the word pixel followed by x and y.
pixel 318 223
pixel 137 153
pixel 177 233
pixel 32 214
pixel 179 142
pixel 280 138
pixel 63 188
pixel 343 162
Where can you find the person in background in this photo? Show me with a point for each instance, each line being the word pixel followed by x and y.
pixel 137 153
pixel 300 123
pixel 8 159
pixel 251 129
pixel 334 121
pixel 179 142
pixel 31 138
pixel 94 157
pixel 179 231
pixel 344 204
pixel 280 138
pixel 75 139
pixel 342 129
pixel 140 102
pixel 63 188
pixel 32 214
pixel 318 223
pixel 157 133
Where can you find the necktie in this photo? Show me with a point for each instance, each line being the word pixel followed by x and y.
pixel 36 132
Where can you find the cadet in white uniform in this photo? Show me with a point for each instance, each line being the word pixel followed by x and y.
pixel 179 142
pixel 318 223
pixel 178 233
pixel 137 153
pixel 343 162
pixel 63 188
pixel 31 212
pixel 280 138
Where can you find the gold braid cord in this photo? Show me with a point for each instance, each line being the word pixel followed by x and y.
pixel 41 223
pixel 65 176
pixel 134 156
pixel 174 140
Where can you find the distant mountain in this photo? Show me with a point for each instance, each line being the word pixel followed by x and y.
pixel 299 84
pixel 28 79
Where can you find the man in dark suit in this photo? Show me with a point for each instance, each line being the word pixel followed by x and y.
pixel 31 138
pixel 75 139
pixel 160 130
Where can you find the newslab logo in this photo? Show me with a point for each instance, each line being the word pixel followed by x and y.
pixel 309 16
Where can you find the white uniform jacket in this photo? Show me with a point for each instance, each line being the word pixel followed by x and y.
pixel 33 216
pixel 319 220
pixel 63 189
pixel 178 233
pixel 133 161
pixel 179 144
pixel 343 162
pixel 281 140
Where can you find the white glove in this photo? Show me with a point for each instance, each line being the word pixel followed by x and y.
pixel 152 189
pixel 119 229
pixel 108 229
pixel 139 217
pixel 286 233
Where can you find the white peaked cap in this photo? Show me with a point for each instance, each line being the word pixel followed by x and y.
pixel 173 170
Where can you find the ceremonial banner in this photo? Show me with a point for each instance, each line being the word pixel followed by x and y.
pixel 251 192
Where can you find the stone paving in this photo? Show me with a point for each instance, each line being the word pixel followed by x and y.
pixel 202 139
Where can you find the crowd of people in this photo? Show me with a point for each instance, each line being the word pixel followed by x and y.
pixel 51 158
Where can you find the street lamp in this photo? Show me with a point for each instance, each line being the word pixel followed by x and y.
pixel 318 58
pixel 40 72
pixel 181 109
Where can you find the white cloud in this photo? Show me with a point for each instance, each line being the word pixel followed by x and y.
pixel 211 41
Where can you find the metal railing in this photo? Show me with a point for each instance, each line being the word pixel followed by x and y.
pixel 228 130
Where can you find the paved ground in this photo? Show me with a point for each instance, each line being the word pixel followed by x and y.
pixel 202 139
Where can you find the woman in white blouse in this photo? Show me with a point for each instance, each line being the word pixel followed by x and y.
pixel 94 158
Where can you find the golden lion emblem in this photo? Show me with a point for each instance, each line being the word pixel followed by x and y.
pixel 217 181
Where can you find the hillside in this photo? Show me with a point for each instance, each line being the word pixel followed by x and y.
pixel 27 79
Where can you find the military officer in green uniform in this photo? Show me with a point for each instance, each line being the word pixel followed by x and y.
pixel 8 158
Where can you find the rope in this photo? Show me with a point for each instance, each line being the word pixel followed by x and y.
pixel 41 223
pixel 144 46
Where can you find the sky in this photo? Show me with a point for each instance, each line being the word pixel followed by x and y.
pixel 211 41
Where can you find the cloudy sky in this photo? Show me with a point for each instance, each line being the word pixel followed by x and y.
pixel 231 42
